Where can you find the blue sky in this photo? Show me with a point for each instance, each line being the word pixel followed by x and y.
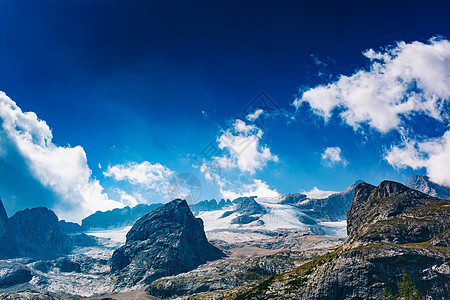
pixel 142 87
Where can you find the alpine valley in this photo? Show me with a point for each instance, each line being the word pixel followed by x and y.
pixel 353 244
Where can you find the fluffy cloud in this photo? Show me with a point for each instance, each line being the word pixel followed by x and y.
pixel 256 188
pixel 403 82
pixel 432 154
pixel 60 174
pixel 252 117
pixel 150 176
pixel 332 156
pixel 316 193
pixel 407 79
pixel 242 142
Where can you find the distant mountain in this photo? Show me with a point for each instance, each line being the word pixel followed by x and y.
pixel 210 205
pixel 70 227
pixel 247 211
pixel 167 241
pixel 32 233
pixel 116 218
pixel 331 208
pixel 422 183
pixel 393 230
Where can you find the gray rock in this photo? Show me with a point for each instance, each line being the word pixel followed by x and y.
pixel 118 217
pixel 392 229
pixel 167 241
pixel 34 233
pixel 331 208
pixel 423 184
pixel 70 227
pixel 16 274
pixel 3 220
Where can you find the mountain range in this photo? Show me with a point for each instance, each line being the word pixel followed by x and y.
pixel 248 248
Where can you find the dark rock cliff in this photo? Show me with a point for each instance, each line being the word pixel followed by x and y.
pixel 33 233
pixel 167 241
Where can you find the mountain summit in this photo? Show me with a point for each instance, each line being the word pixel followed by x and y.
pixel 166 241
pixel 32 233
pixel 392 230
pixel 423 184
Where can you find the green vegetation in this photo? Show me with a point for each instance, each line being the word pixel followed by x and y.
pixel 406 290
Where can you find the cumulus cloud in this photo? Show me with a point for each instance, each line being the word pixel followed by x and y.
pixel 243 143
pixel 332 156
pixel 316 193
pixel 410 78
pixel 256 188
pixel 59 174
pixel 402 82
pixel 252 117
pixel 432 154
pixel 150 176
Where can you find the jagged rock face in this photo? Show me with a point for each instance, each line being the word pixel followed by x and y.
pixel 247 211
pixel 293 199
pixel 331 208
pixel 210 205
pixel 3 219
pixel 16 274
pixel 69 227
pixel 395 213
pixel 34 233
pixel 392 229
pixel 118 217
pixel 166 241
pixel 250 207
pixel 423 184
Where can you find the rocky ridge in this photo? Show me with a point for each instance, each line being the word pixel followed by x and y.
pixel 331 208
pixel 422 183
pixel 32 233
pixel 167 241
pixel 392 229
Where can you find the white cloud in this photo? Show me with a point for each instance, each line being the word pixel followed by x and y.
pixel 257 188
pixel 403 80
pixel 63 170
pixel 252 117
pixel 127 199
pixel 245 150
pixel 151 176
pixel 332 156
pixel 315 193
pixel 432 154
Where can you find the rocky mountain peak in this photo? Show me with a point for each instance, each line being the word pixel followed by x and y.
pixel 422 183
pixel 34 233
pixel 249 206
pixel 383 213
pixel 166 241
pixel 3 219
pixel 390 188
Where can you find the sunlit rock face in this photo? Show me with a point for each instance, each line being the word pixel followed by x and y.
pixel 167 241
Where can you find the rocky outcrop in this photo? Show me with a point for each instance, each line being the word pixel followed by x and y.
pixel 422 183
pixel 3 220
pixel 392 229
pixel 70 227
pixel 34 233
pixel 167 241
pixel 395 213
pixel 331 208
pixel 247 211
pixel 210 205
pixel 13 275
pixel 118 217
